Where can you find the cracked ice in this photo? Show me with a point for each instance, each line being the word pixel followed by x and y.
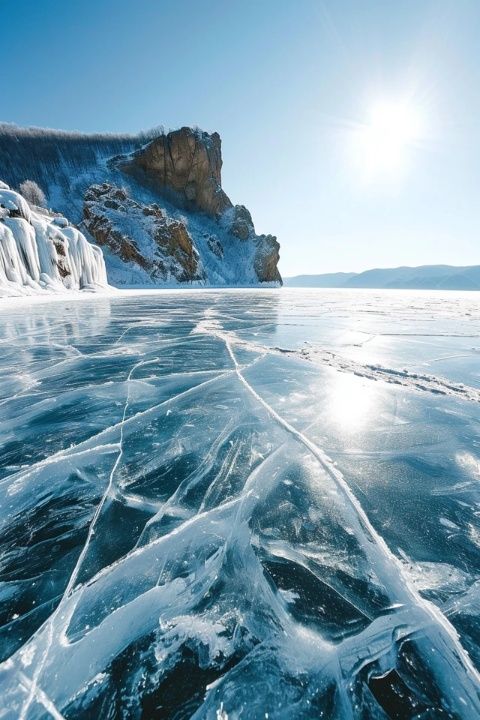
pixel 240 504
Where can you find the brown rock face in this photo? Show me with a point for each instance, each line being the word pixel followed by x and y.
pixel 103 230
pixel 266 260
pixel 141 234
pixel 62 265
pixel 186 165
pixel 242 223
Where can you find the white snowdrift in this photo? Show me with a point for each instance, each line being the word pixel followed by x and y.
pixel 41 253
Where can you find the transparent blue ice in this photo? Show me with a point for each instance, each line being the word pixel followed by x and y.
pixel 240 504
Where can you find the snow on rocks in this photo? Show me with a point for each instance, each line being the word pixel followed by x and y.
pixel 142 236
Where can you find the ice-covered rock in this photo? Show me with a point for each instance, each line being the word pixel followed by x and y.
pixel 39 252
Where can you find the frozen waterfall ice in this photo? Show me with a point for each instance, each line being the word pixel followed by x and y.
pixel 40 251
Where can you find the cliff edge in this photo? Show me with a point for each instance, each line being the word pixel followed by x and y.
pixel 156 205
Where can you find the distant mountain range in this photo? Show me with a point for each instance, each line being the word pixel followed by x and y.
pixel 424 277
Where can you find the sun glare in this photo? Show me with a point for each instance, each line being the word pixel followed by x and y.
pixel 351 403
pixel 385 141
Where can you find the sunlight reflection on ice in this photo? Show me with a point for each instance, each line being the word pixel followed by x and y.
pixel 351 403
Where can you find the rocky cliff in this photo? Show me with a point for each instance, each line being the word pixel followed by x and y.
pixel 141 235
pixel 184 165
pixel 156 206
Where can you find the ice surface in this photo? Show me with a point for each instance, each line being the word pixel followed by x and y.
pixel 241 504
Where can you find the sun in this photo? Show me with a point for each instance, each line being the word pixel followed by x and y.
pixel 385 141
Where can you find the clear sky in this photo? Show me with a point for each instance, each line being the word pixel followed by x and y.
pixel 297 90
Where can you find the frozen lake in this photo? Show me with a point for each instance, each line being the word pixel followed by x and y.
pixel 241 504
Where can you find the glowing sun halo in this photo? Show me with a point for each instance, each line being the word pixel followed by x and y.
pixel 385 140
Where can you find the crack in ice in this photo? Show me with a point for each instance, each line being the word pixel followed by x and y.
pixel 76 570
pixel 390 567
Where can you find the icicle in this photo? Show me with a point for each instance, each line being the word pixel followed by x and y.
pixel 39 252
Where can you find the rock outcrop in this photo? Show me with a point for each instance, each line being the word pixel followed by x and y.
pixel 141 235
pixel 40 251
pixel 184 165
pixel 266 259
pixel 240 222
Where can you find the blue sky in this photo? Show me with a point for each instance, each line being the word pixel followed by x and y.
pixel 287 84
